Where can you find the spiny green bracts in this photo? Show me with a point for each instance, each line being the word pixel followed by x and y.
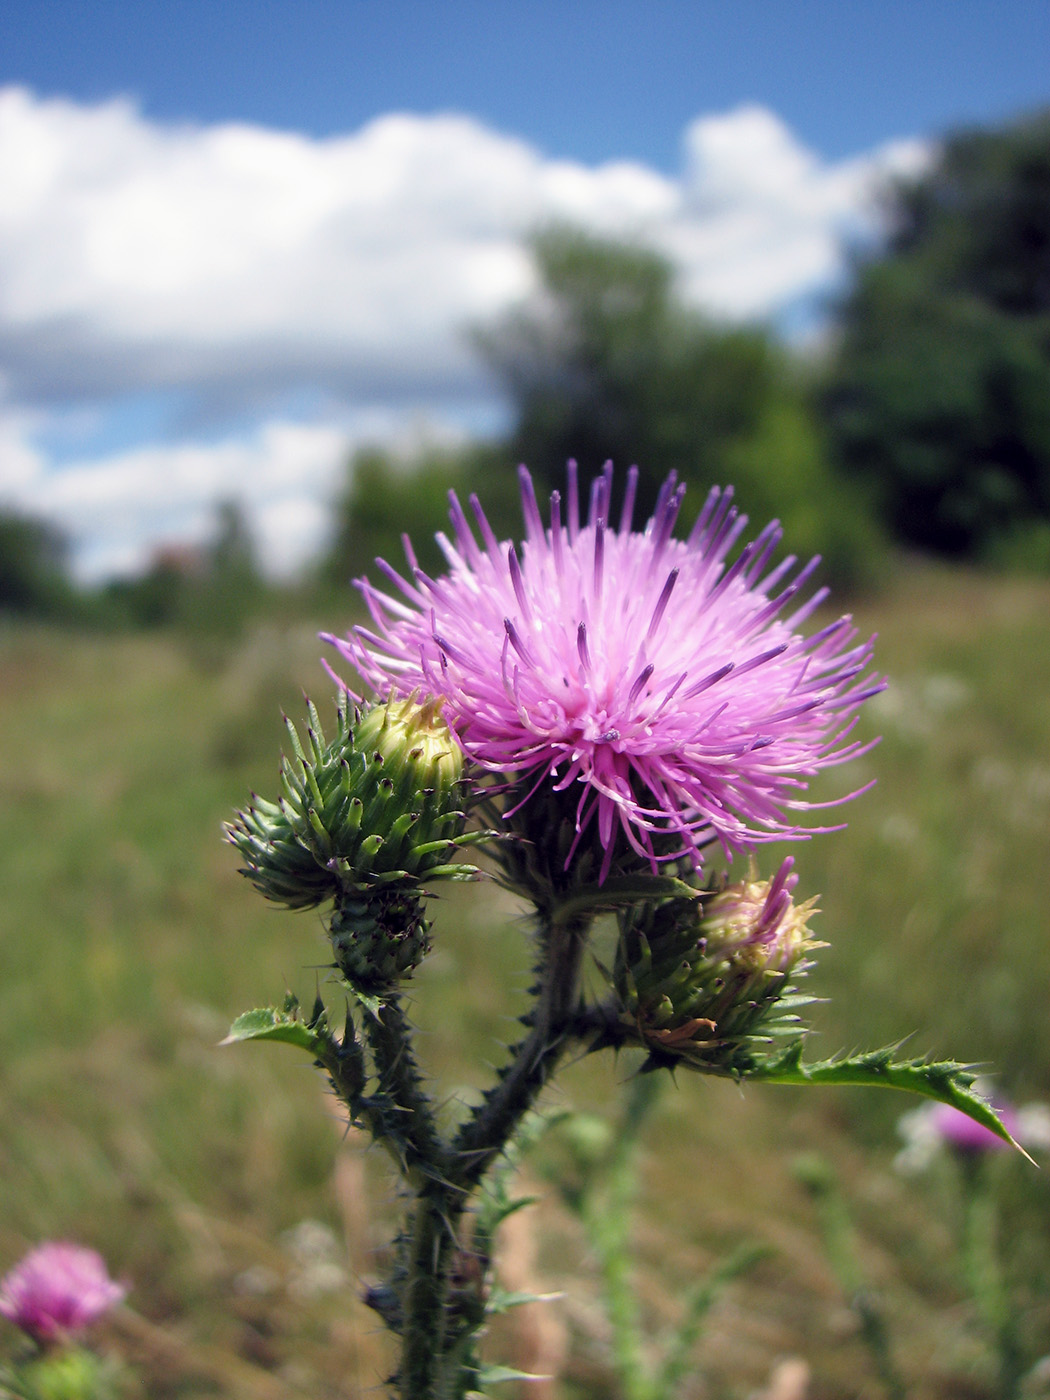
pixel 378 938
pixel 552 866
pixel 382 804
pixel 364 820
pixel 707 981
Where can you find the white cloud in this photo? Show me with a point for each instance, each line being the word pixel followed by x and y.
pixel 234 265
pixel 118 510
pixel 134 254
pixel 763 221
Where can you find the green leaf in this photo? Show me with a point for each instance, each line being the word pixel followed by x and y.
pixel 372 1003
pixel 268 1023
pixel 946 1081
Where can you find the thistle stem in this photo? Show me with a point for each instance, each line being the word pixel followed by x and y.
pixel 484 1136
pixel 402 1112
pixel 430 1352
pixel 425 1298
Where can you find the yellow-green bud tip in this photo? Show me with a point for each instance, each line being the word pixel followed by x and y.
pixel 413 732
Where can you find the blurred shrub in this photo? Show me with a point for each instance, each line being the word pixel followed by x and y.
pixel 208 591
pixel 389 496
pixel 34 570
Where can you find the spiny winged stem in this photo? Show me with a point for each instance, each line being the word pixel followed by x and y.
pixel 433 1322
pixel 479 1143
pixel 405 1119
pixel 413 1135
pixel 552 1021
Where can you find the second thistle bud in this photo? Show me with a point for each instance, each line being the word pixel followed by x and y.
pixel 708 980
pixel 364 820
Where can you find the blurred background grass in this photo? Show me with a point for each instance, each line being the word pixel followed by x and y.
pixel 129 941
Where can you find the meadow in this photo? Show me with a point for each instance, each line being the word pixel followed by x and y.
pixel 219 1181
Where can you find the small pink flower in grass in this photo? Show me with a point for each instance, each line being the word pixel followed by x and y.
pixel 933 1126
pixel 57 1290
pixel 663 689
pixel 959 1131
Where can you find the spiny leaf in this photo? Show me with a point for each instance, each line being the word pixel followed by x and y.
pixel 268 1023
pixel 625 890
pixel 372 1004
pixel 946 1081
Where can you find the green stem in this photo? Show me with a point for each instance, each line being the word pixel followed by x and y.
pixel 425 1298
pixel 484 1136
pixel 401 1116
pixel 840 1246
pixel 402 1113
pixel 607 1219
pixel 403 1120
pixel 445 1179
pixel 985 1275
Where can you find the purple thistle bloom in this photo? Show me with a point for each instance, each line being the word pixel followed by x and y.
pixel 660 687
pixel 758 920
pixel 57 1290
pixel 960 1131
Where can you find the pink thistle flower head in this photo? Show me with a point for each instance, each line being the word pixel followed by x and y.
pixel 758 925
pixel 668 695
pixel 57 1290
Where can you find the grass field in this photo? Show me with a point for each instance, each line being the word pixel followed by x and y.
pixel 128 942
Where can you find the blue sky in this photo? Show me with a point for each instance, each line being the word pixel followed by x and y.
pixel 576 77
pixel 238 239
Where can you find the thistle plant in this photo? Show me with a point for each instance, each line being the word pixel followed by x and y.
pixel 612 715
pixel 53 1296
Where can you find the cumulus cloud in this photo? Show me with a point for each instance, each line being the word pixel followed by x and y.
pixel 134 254
pixel 234 266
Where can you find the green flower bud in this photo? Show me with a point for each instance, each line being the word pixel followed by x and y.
pixel 381 804
pixel 708 980
pixel 73 1374
pixel 364 820
pixel 414 741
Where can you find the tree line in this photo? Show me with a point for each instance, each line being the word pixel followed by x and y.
pixel 924 423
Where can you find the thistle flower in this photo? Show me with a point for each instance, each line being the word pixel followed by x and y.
pixel 757 923
pixel 709 979
pixel 662 691
pixel 57 1290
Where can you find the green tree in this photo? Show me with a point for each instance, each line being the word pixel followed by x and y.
pixel 34 572
pixel 210 591
pixel 387 497
pixel 939 398
pixel 607 363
